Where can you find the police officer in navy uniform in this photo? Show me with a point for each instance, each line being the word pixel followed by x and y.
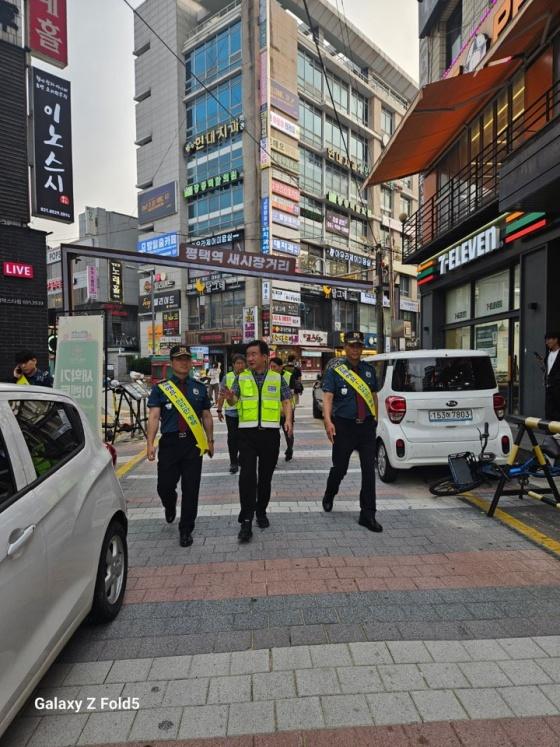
pixel 179 456
pixel 351 426
pixel 26 367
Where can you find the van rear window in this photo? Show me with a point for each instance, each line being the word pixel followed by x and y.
pixel 443 374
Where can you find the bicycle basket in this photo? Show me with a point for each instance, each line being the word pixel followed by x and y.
pixel 463 469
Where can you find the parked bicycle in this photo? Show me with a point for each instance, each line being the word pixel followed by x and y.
pixel 469 471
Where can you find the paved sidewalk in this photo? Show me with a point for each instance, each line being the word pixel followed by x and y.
pixel 443 630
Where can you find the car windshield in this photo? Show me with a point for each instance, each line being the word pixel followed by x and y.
pixel 443 374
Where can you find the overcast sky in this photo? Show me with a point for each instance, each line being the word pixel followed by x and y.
pixel 101 70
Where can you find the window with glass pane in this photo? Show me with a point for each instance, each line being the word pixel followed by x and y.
pixel 387 121
pixel 339 91
pixel 218 55
pixel 311 172
pixel 453 34
pixel 203 112
pixel 458 339
pixel 458 304
pixel 368 317
pixel 52 431
pixel 516 286
pixel 405 285
pixel 493 338
pixel 359 107
pixel 386 200
pixel 491 294
pixel 334 136
pixel 311 124
pixel 193 312
pixel 315 313
pixel 359 149
pixel 310 74
pixel 336 180
pixel 7 482
pixel 405 205
pixel 348 314
pixel 385 236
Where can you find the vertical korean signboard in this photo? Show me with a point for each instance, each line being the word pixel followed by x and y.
pixel 79 363
pixel 53 197
pixel 47 31
pixel 115 282
pixel 250 327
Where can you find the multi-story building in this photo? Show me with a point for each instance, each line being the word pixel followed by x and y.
pixel 485 132
pixel 261 143
pixel 100 284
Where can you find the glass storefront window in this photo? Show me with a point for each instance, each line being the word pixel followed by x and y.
pixel 458 305
pixel 458 339
pixel 494 339
pixel 491 294
pixel 517 286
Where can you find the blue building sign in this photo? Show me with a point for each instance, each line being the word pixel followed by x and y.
pixel 164 245
pixel 265 225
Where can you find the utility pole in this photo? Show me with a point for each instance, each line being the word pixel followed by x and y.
pixel 379 299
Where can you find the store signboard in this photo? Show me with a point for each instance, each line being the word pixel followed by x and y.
pixel 246 263
pixel 337 223
pixel 215 136
pixel 53 190
pixel 92 282
pixel 285 247
pixel 356 259
pixel 115 282
pixel 18 270
pixel 284 219
pixel 370 299
pixel 235 238
pixel 162 302
pixel 343 160
pixel 284 338
pixel 47 31
pixel 250 323
pixel 284 125
pixel 266 288
pixel 53 256
pixel 475 246
pixel 408 305
pixel 287 150
pixel 171 323
pixel 279 294
pixel 313 337
pixel 265 225
pixel 344 202
pixel 285 320
pixel 164 245
pixel 286 206
pixel 157 203
pixel 213 182
pixel 290 193
pixel 285 100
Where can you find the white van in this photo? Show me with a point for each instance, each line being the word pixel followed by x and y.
pixel 433 403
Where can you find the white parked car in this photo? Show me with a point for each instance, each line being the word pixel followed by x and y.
pixel 63 525
pixel 433 403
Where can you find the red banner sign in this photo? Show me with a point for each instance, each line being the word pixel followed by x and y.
pixel 48 34
pixel 279 188
pixel 18 270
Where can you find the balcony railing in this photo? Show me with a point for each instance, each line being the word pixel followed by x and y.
pixel 475 187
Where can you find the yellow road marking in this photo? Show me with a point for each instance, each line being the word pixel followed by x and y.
pixel 132 462
pixel 532 534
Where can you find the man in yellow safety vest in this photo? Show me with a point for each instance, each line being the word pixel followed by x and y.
pixel 232 414
pixel 262 397
pixel 276 364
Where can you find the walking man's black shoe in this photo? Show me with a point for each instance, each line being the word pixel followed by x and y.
pixel 263 522
pixel 327 504
pixel 246 532
pixel 233 468
pixel 289 455
pixel 185 538
pixel 170 514
pixel 369 522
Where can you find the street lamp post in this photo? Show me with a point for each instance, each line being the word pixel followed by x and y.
pixel 152 304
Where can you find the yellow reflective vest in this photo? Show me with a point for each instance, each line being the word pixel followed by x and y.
pixel 287 376
pixel 262 408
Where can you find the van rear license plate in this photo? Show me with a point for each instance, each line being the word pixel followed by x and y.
pixel 449 416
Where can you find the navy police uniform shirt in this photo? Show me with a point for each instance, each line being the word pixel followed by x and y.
pixel 194 391
pixel 344 401
pixel 40 378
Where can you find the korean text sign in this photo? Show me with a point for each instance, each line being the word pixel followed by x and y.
pixel 79 363
pixel 52 144
pixel 48 36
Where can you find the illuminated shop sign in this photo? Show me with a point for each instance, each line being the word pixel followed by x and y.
pixel 212 183
pixel 342 160
pixel 215 136
pixel 343 202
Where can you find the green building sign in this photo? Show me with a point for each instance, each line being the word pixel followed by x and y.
pixel 212 183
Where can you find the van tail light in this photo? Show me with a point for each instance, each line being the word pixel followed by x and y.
pixel 400 447
pixel 396 408
pixel 113 452
pixel 505 444
pixel 499 406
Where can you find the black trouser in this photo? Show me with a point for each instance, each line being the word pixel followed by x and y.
pixel 180 458
pixel 552 403
pixel 258 455
pixel 233 438
pixel 289 439
pixel 360 437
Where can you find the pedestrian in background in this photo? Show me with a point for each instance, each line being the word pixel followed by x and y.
pixel 276 364
pixel 263 397
pixel 214 375
pixel 27 372
pixel 552 375
pixel 350 417
pixel 231 413
pixel 182 405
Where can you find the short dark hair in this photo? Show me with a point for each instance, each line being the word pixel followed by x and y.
pixel 24 355
pixel 552 333
pixel 260 344
pixel 292 358
pixel 238 357
pixel 277 360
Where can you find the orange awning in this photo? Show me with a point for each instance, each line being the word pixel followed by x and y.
pixel 435 118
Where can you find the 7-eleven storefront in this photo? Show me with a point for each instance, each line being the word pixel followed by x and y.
pixel 492 291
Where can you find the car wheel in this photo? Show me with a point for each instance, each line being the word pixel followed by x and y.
pixel 316 411
pixel 111 574
pixel 387 473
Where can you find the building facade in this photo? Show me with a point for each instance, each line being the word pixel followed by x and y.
pixel 484 133
pixel 243 148
pixel 101 285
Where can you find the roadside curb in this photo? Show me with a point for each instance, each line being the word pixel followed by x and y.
pixel 531 534
pixel 131 463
